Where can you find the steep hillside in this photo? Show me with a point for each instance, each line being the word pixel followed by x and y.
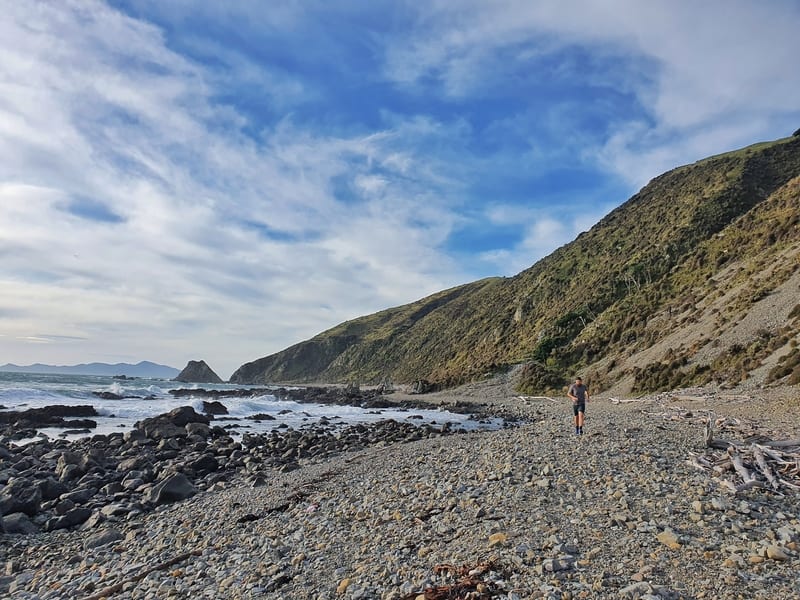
pixel 704 244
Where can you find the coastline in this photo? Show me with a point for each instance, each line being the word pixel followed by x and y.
pixel 619 512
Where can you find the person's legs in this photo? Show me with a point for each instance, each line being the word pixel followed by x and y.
pixel 579 421
pixel 576 412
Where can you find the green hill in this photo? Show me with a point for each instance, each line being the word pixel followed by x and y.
pixel 653 296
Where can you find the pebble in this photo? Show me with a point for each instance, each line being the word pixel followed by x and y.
pixel 559 517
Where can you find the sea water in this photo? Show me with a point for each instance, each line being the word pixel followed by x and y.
pixel 151 397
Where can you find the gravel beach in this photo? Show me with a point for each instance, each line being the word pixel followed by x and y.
pixel 532 511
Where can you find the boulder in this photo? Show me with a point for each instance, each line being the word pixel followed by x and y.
pixel 215 407
pixel 102 538
pixel 197 371
pixel 173 488
pixel 20 495
pixel 18 523
pixel 51 488
pixel 76 516
pixel 200 429
pixel 204 464
pixel 171 424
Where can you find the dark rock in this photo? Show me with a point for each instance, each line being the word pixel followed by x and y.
pixel 200 429
pixel 64 506
pixel 46 413
pixel 134 463
pixel 175 487
pixel 68 432
pixel 74 517
pixel 115 510
pixel 134 435
pixel 78 460
pixel 108 396
pixel 197 371
pixel 263 416
pixel 18 523
pixel 81 496
pixel 70 472
pixel 96 519
pixel 115 487
pixel 20 495
pixel 102 538
pixel 171 443
pixel 19 424
pixel 51 488
pixel 171 424
pixel 205 464
pixel 214 407
pixel 421 386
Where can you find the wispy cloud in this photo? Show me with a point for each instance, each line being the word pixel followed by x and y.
pixel 202 180
pixel 136 209
pixel 706 76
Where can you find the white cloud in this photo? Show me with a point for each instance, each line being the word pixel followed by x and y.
pixel 217 238
pixel 223 247
pixel 707 74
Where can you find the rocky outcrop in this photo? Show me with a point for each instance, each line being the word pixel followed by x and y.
pixel 197 371
pixel 49 485
pixel 21 424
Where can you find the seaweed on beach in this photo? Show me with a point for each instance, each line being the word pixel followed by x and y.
pixel 470 583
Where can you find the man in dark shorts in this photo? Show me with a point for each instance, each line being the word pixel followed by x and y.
pixel 579 394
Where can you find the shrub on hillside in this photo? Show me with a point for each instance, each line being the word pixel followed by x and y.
pixel 536 378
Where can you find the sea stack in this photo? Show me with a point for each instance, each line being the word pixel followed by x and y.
pixel 197 371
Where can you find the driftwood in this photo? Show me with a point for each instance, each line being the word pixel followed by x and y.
pixel 754 461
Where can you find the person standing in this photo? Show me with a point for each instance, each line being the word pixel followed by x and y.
pixel 579 394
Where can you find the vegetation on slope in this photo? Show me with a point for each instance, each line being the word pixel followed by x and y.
pixel 592 304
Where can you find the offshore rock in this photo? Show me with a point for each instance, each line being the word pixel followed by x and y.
pixel 197 371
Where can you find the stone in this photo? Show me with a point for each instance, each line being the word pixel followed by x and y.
pixel 51 488
pixel 719 503
pixel 554 565
pixel 343 585
pixel 214 407
pixel 18 523
pixel 206 463
pixel 173 488
pixel 74 517
pixel 171 424
pixel 102 538
pixel 669 539
pixel 776 553
pixel 636 590
pixel 200 429
pixel 20 495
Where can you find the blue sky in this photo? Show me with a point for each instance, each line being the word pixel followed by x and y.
pixel 183 180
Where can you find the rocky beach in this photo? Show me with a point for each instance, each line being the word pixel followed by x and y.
pixel 178 508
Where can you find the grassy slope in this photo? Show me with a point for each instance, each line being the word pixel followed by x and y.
pixel 582 307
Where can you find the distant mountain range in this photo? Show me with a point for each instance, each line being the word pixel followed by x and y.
pixel 143 369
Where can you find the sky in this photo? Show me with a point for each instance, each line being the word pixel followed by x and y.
pixel 192 180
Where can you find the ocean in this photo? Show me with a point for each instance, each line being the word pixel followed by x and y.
pixel 21 391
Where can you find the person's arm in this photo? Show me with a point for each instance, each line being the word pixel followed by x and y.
pixel 570 395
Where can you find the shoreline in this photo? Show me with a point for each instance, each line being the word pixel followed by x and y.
pixel 616 513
